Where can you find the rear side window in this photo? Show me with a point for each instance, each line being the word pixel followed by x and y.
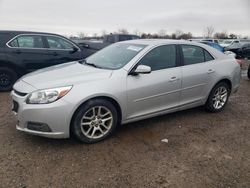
pixel 208 57
pixel 162 57
pixel 27 41
pixel 59 43
pixel 195 54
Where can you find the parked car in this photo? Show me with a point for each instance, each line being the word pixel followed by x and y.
pixel 242 50
pixel 205 40
pixel 221 49
pixel 123 83
pixel 214 45
pixel 228 42
pixel 22 52
pixel 90 47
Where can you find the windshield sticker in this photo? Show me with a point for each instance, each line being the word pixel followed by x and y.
pixel 135 48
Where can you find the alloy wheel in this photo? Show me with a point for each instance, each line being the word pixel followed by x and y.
pixel 220 97
pixel 96 122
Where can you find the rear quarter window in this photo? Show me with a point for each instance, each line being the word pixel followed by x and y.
pixel 195 54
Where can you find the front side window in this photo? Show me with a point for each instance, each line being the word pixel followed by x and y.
pixel 194 55
pixel 162 57
pixel 115 56
pixel 27 41
pixel 59 43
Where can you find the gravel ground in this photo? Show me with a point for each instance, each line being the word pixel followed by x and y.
pixel 203 150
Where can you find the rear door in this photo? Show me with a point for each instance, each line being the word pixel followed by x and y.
pixel 62 50
pixel 159 90
pixel 29 51
pixel 197 73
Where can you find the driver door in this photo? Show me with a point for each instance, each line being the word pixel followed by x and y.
pixel 159 90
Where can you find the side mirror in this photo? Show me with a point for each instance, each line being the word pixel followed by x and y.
pixel 74 49
pixel 142 69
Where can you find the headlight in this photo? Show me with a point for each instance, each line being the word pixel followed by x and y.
pixel 48 95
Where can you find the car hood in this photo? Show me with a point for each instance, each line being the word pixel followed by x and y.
pixel 65 74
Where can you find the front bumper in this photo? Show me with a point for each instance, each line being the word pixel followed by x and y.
pixel 56 115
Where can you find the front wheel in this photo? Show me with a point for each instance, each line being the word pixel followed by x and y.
pixel 218 97
pixel 94 121
pixel 7 78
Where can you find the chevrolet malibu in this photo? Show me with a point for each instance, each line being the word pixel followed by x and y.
pixel 123 83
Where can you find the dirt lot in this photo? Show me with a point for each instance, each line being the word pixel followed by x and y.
pixel 203 150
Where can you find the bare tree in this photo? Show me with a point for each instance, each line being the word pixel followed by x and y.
pixel 137 32
pixel 162 33
pixel 81 35
pixel 178 33
pixel 209 31
pixel 221 35
pixel 123 31
pixel 104 32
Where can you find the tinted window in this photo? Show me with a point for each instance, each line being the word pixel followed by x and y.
pixel 208 57
pixel 195 54
pixel 162 57
pixel 59 43
pixel 27 41
pixel 110 39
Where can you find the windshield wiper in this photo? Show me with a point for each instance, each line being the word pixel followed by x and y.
pixel 89 64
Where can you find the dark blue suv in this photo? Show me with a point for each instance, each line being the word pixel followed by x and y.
pixel 23 52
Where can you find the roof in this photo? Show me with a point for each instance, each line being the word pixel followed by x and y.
pixel 15 32
pixel 153 42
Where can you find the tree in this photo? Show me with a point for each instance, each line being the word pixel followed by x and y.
pixel 137 32
pixel 81 35
pixel 232 36
pixel 221 35
pixel 178 33
pixel 104 32
pixel 123 31
pixel 208 32
pixel 162 33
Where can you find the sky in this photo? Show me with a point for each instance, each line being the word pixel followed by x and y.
pixel 95 16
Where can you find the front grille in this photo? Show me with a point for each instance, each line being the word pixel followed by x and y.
pixel 15 106
pixel 20 93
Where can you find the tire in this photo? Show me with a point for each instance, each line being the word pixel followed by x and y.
pixel 88 125
pixel 216 101
pixel 7 78
pixel 248 72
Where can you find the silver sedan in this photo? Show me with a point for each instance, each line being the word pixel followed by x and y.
pixel 125 82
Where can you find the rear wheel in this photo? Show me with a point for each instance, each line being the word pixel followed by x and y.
pixel 7 78
pixel 94 121
pixel 218 97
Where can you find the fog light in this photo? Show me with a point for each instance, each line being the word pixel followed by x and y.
pixel 36 126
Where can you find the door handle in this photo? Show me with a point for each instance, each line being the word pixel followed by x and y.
pixel 210 71
pixel 17 51
pixel 174 78
pixel 54 53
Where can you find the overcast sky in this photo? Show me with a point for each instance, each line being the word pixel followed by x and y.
pixel 92 16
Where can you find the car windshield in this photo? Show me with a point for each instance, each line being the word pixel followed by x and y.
pixel 227 41
pixel 114 56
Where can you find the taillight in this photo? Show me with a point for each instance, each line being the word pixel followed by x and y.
pixel 240 62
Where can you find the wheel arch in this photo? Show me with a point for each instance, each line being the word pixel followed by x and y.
pixel 225 80
pixel 19 70
pixel 108 98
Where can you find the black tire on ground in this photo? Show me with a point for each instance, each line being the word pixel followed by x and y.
pixel 77 120
pixel 210 105
pixel 7 78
